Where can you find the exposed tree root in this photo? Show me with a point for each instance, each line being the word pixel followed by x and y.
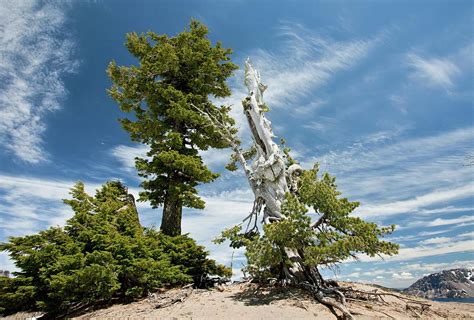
pixel 330 294
pixel 323 296
pixel 310 280
pixel 412 305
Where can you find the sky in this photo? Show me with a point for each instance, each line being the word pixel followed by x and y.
pixel 379 93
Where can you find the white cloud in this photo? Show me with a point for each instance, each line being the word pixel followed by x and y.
pixel 467 235
pixel 432 233
pixel 6 263
pixel 223 210
pixel 422 251
pixel 354 275
pixel 29 204
pixel 18 188
pixel 306 109
pixel 402 275
pixel 304 62
pixel 215 158
pixel 35 53
pixel 461 221
pixel 448 209
pixel 399 102
pixel 436 240
pixel 321 125
pixel 436 267
pixel 443 222
pixel 433 71
pixel 126 155
pixel 414 205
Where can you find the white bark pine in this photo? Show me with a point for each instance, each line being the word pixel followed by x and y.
pixel 270 179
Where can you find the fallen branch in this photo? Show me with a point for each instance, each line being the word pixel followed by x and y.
pixel 168 300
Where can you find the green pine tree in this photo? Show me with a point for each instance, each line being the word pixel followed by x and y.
pixel 168 94
pixel 333 238
pixel 102 253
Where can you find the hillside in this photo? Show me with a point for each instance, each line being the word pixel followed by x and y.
pixel 455 283
pixel 249 302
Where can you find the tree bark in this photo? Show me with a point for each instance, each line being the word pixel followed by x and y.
pixel 172 213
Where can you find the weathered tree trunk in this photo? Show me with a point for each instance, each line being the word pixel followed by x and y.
pixel 270 180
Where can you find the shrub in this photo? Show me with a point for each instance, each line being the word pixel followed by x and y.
pixel 102 253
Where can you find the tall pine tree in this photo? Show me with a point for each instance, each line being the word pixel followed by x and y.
pixel 167 94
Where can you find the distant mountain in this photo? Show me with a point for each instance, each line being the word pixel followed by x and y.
pixel 455 283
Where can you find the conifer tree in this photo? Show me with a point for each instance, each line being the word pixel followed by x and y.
pixel 292 248
pixel 175 78
pixel 102 253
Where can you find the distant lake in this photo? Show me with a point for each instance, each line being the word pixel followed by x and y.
pixel 463 300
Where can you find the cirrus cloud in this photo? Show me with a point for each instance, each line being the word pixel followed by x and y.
pixel 35 54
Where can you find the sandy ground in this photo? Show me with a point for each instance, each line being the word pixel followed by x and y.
pixel 251 303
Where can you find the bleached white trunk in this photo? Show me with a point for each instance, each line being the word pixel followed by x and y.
pixel 270 178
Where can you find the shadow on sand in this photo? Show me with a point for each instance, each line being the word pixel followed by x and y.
pixel 254 295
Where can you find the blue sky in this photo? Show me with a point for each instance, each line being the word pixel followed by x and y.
pixel 380 93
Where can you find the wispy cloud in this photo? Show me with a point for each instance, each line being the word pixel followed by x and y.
pixel 373 153
pixel 216 158
pixel 436 240
pixel 445 222
pixel 435 72
pixel 418 236
pixel 305 62
pixel 126 155
pixel 414 205
pixel 322 124
pixel 384 169
pixel 35 54
pixel 422 251
pixel 29 204
pixel 434 267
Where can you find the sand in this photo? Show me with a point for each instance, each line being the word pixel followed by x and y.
pixel 251 303
pixel 248 302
